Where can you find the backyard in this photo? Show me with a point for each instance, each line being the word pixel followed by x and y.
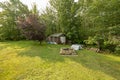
pixel 28 60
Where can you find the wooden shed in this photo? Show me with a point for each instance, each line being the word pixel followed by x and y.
pixel 57 38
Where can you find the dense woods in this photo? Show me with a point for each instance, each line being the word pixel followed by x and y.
pixel 90 22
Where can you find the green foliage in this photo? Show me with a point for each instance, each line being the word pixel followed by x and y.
pixel 62 17
pixel 114 32
pixel 34 9
pixel 90 41
pixel 8 17
pixel 101 17
pixel 110 46
pixel 85 18
pixel 117 50
pixel 96 40
pixel 49 18
pixel 102 42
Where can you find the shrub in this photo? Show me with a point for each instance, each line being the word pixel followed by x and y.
pixel 96 40
pixel 31 28
pixel 109 46
pixel 117 49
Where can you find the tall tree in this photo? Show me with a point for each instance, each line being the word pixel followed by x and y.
pixel 32 28
pixel 10 11
pixel 67 21
pixel 49 17
pixel 34 9
pixel 104 20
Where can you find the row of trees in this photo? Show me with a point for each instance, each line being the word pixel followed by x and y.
pixel 93 22
pixel 18 22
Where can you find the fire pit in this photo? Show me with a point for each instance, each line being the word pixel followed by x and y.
pixel 67 51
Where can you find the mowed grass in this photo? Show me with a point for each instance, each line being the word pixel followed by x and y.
pixel 28 60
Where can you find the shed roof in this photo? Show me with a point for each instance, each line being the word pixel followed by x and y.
pixel 56 35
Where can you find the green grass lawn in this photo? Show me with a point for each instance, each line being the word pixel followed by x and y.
pixel 28 60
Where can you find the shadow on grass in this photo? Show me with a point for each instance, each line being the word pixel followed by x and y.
pixel 48 53
pixel 99 62
pixel 88 59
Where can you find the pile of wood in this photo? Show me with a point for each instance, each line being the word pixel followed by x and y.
pixel 94 49
pixel 67 51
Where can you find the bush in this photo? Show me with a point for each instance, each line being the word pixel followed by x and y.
pixel 31 28
pixel 110 46
pixel 11 33
pixel 117 49
pixel 96 40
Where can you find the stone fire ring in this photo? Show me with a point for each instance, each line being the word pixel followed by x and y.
pixel 67 51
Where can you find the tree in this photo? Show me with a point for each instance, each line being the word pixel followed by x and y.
pixel 103 17
pixel 34 9
pixel 104 21
pixel 49 18
pixel 67 21
pixel 31 28
pixel 10 11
